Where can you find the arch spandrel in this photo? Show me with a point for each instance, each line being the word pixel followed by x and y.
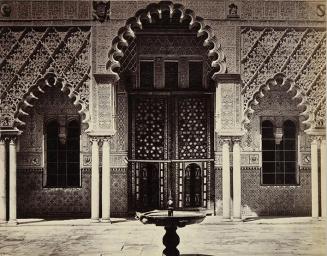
pixel 296 56
pixel 37 53
pixel 106 83
pixel 127 32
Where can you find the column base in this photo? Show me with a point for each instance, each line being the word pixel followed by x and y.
pixel 106 220
pixel 95 220
pixel 12 222
pixel 236 219
pixel 226 219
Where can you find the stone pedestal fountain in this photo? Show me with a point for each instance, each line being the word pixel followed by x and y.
pixel 171 220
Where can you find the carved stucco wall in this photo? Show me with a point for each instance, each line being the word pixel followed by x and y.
pixel 298 53
pixel 27 54
pixel 275 200
pixel 33 198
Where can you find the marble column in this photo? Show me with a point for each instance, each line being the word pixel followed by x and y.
pixel 314 179
pixel 226 180
pixel 106 181
pixel 3 192
pixel 323 178
pixel 12 182
pixel 95 181
pixel 236 180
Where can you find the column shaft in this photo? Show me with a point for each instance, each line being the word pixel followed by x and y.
pixel 12 183
pixel 314 179
pixel 236 181
pixel 3 196
pixel 226 180
pixel 323 179
pixel 95 182
pixel 106 181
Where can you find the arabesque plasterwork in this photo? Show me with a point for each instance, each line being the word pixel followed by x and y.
pixel 295 53
pixel 28 54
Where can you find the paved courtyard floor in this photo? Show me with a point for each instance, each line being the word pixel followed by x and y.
pixel 275 236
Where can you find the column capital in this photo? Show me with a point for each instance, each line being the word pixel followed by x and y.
pixel 236 140
pixel 316 139
pixel 94 140
pixel 106 138
pixel 226 140
pixel 12 140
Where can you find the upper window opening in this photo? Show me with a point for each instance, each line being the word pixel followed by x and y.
pixel 146 74
pixel 171 74
pixel 195 74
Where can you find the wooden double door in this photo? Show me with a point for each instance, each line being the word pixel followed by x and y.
pixel 171 149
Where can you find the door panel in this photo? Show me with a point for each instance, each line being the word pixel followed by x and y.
pixel 149 186
pixel 164 129
pixel 193 185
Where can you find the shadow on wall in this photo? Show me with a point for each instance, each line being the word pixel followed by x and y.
pixel 196 255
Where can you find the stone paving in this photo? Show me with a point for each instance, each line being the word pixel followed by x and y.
pixel 276 236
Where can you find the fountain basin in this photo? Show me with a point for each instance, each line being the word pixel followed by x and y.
pixel 171 220
pixel 179 218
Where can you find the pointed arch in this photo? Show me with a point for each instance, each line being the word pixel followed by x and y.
pixel 280 79
pixel 122 40
pixel 36 91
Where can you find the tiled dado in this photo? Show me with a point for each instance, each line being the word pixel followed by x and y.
pixel 34 200
pixel 262 200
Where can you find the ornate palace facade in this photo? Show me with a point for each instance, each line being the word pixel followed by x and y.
pixel 109 107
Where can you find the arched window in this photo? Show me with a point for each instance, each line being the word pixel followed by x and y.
pixel 62 157
pixel 278 153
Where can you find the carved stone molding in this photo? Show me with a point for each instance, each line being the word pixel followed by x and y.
pixel 128 32
pixel 104 105
pixel 228 112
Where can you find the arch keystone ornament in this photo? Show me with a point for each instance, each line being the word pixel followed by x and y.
pixel 127 33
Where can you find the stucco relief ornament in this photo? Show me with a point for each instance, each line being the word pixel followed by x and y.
pixel 5 10
pixel 101 10
pixel 232 13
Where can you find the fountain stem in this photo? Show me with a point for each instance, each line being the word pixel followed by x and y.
pixel 170 204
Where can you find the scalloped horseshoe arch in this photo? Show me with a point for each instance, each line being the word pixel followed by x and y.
pixel 49 80
pixel 281 80
pixel 126 32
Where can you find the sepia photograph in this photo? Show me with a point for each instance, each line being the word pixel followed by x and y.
pixel 173 128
